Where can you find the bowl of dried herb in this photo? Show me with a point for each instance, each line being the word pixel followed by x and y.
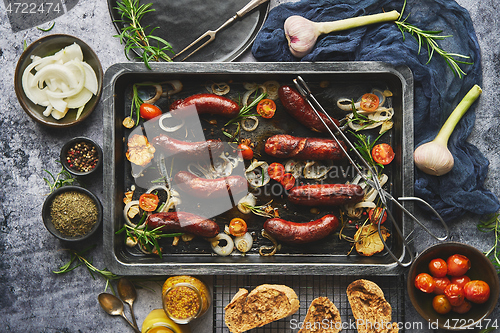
pixel 72 213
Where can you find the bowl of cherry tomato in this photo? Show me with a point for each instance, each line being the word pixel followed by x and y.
pixel 454 286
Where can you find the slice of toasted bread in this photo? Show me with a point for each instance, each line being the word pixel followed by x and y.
pixel 264 304
pixel 322 317
pixel 372 312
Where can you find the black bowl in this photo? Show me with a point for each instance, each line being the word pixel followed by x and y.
pixel 481 269
pixel 67 146
pixel 46 46
pixel 47 220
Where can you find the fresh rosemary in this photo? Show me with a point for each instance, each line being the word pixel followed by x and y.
pixel 134 35
pixel 429 37
pixel 492 223
pixel 246 110
pixel 364 146
pixel 62 178
pixel 68 267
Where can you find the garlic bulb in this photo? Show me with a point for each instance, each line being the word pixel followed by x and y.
pixel 301 35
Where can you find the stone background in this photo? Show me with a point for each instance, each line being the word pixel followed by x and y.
pixel 34 299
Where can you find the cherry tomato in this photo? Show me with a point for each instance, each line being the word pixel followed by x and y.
pixel 441 304
pixel 464 308
pixel 266 108
pixel 149 111
pixel 424 282
pixel 458 265
pixel 441 284
pixel 276 171
pixel 246 151
pixel 383 153
pixel 369 102
pixel 374 215
pixel 438 268
pixel 455 294
pixel 288 181
pixel 477 291
pixel 460 280
pixel 148 202
pixel 237 227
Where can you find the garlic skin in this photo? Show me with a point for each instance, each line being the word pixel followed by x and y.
pixel 301 35
pixel 433 158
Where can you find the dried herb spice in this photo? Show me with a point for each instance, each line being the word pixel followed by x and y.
pixel 73 213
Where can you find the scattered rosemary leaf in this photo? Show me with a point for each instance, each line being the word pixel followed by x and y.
pixel 48 29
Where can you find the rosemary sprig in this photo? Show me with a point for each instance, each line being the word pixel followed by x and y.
pixel 68 267
pixel 263 210
pixel 48 29
pixel 364 146
pixel 246 110
pixel 359 119
pixel 61 179
pixel 134 35
pixel 429 37
pixel 148 239
pixel 492 223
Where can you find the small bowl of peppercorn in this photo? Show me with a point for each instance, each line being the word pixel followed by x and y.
pixel 81 156
pixel 72 213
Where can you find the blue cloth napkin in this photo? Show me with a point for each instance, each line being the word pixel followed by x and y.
pixel 437 90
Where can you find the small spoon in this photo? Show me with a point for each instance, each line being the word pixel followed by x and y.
pixel 127 293
pixel 114 307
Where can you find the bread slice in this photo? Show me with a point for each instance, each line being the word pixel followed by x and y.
pixel 322 317
pixel 372 312
pixel 264 304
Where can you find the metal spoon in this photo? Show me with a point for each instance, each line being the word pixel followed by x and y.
pixel 127 293
pixel 114 307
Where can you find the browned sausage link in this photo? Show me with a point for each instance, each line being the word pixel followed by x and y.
pixel 171 222
pixel 301 233
pixel 297 107
pixel 193 151
pixel 210 188
pixel 288 146
pixel 325 194
pixel 207 103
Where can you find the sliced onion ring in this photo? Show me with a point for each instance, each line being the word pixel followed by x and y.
pixel 125 215
pixel 157 95
pixel 176 87
pixel 169 129
pixel 222 250
pixel 249 128
pixel 244 243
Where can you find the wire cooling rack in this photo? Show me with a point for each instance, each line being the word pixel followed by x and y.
pixel 307 288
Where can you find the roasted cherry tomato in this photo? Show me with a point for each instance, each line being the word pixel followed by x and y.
pixel 288 181
pixel 374 215
pixel 148 202
pixel 149 111
pixel 246 151
pixel 266 108
pixel 369 102
pixel 455 294
pixel 237 227
pixel 383 153
pixel 424 282
pixel 276 171
pixel 458 265
pixel 460 280
pixel 441 304
pixel 477 291
pixel 438 268
pixel 464 308
pixel 441 284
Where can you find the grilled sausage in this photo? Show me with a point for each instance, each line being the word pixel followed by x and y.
pixel 297 107
pixel 183 222
pixel 301 233
pixel 210 188
pixel 206 103
pixel 325 194
pixel 288 146
pixel 193 151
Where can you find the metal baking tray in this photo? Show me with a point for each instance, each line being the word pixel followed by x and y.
pixel 329 81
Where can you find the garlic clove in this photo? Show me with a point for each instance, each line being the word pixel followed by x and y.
pixel 301 35
pixel 433 158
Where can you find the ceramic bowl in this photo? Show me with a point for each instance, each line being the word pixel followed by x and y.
pixel 47 219
pixel 481 269
pixel 46 46
pixel 69 166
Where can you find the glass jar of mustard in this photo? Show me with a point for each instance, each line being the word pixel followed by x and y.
pixel 185 298
pixel 158 322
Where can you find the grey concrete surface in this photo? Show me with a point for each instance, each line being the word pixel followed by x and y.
pixel 32 298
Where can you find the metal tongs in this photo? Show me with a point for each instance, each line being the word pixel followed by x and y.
pixel 372 181
pixel 211 33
